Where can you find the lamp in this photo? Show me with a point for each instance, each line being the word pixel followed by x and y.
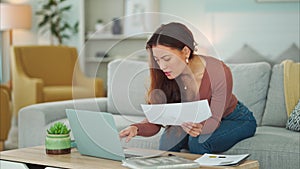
pixel 13 16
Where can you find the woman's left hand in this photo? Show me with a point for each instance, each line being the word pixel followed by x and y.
pixel 193 129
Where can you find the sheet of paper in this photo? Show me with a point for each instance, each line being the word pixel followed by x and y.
pixel 177 113
pixel 219 160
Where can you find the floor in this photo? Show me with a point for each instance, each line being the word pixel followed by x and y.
pixel 12 141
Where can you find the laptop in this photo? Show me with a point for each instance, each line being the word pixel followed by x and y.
pixel 95 134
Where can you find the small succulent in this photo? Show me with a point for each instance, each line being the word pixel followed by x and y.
pixel 58 128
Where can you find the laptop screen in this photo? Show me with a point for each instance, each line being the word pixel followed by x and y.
pixel 95 134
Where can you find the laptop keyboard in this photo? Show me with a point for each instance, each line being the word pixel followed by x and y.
pixel 131 155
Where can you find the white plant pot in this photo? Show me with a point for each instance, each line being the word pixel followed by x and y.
pixel 99 27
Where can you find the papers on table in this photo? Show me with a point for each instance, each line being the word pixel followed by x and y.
pixel 177 113
pixel 219 160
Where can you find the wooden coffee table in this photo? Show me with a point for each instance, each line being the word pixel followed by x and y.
pixel 36 156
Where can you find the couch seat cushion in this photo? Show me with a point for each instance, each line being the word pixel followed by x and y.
pixel 276 143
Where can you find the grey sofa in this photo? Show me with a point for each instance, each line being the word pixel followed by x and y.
pixel 257 85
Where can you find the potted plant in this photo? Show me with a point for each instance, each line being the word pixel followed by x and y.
pixel 55 21
pixel 58 139
pixel 99 25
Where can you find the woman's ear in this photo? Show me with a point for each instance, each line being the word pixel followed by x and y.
pixel 186 51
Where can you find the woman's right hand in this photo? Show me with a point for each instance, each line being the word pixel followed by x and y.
pixel 129 132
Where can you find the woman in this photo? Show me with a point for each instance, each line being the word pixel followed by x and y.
pixel 179 75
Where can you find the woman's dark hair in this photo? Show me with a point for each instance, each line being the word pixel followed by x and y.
pixel 177 36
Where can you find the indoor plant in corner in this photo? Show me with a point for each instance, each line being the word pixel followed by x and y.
pixel 58 139
pixel 55 19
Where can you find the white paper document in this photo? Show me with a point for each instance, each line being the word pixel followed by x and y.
pixel 219 160
pixel 177 113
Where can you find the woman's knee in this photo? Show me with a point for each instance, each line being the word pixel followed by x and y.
pixel 173 141
pixel 252 128
pixel 198 148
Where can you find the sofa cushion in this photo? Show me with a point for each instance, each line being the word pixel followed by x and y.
pixel 127 86
pixel 273 147
pixel 291 53
pixel 247 54
pixel 250 85
pixel 275 112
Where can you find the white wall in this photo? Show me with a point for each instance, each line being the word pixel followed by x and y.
pixel 269 28
pixel 268 33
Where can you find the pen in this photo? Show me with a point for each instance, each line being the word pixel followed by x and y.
pixel 217 157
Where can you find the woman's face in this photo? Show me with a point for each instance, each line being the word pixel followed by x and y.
pixel 171 61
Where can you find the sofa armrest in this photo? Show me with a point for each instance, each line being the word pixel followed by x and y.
pixel 34 118
pixel 30 92
pixel 5 112
pixel 7 89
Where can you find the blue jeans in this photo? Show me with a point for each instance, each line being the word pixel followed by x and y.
pixel 238 125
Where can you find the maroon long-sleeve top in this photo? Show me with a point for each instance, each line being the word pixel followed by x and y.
pixel 216 87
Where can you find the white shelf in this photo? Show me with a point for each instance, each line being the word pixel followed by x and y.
pixel 97 36
pixel 108 59
pixel 104 60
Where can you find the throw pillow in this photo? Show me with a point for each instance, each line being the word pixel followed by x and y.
pixel 246 54
pixel 291 53
pixel 293 122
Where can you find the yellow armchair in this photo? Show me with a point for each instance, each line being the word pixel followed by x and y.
pixel 49 73
pixel 5 114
